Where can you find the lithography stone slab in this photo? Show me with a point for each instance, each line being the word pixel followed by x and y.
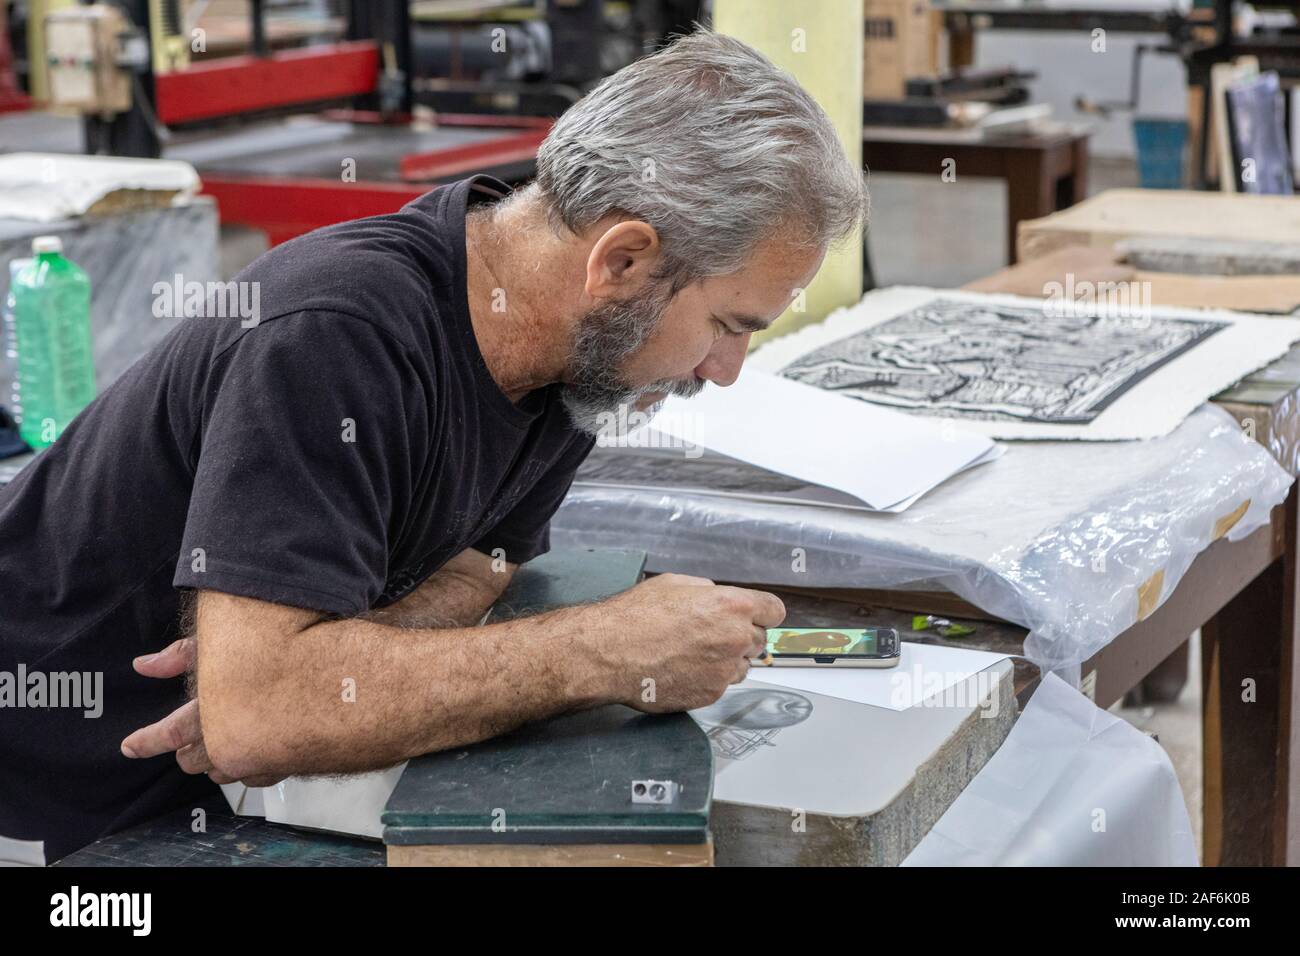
pixel 821 781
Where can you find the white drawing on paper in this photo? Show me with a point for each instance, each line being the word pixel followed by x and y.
pixel 745 720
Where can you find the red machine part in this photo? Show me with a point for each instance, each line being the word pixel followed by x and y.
pixel 245 84
pixel 473 157
pixel 284 207
pixel 11 97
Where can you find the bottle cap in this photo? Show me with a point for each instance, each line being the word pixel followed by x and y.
pixel 47 244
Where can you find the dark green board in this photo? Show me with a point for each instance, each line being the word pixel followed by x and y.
pixel 568 779
pixel 227 840
pixel 568 576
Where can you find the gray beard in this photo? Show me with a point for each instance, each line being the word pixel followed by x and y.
pixel 607 337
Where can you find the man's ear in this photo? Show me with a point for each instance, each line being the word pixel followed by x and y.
pixel 623 257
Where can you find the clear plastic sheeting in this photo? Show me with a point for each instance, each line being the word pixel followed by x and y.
pixel 1074 541
pixel 1072 785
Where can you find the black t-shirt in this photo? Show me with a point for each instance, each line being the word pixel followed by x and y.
pixel 331 457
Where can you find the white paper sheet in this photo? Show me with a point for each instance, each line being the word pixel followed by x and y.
pixel 884 458
pixel 1018 368
pixel 350 804
pixel 993 454
pixel 713 474
pixel 923 671
pixel 21 852
pixel 1072 785
pixel 244 801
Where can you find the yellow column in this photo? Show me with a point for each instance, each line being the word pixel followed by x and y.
pixel 820 43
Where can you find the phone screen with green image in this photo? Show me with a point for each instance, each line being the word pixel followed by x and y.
pixel 841 642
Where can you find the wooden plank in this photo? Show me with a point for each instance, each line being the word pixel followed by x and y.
pixel 940 603
pixel 593 854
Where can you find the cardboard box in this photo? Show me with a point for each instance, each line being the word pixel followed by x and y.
pixel 898 45
pixel 1118 214
pixel 1073 265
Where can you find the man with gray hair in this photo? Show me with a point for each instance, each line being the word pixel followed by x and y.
pixel 312 514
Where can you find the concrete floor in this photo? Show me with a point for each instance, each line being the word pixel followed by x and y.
pixel 931 233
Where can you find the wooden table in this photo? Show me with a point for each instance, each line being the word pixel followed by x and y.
pixel 1242 595
pixel 1045 171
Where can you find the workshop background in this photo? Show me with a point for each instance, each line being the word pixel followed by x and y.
pixel 295 114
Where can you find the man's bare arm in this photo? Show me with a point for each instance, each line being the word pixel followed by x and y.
pixel 459 593
pixel 284 691
pixel 456 595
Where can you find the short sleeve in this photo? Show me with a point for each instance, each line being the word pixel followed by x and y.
pixel 306 450
pixel 524 533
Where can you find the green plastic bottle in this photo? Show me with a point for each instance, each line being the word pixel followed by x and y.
pixel 56 366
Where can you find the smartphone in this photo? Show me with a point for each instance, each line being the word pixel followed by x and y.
pixel 841 647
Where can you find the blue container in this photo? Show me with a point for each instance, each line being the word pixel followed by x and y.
pixel 1161 144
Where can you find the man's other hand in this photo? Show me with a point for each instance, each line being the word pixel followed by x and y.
pixel 180 731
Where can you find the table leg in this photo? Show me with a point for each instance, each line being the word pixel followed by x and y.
pixel 1075 186
pixel 1286 808
pixel 1031 192
pixel 1245 759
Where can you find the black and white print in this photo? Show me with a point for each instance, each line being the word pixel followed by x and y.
pixel 996 362
pixel 1018 368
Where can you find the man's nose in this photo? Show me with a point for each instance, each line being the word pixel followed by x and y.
pixel 722 365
